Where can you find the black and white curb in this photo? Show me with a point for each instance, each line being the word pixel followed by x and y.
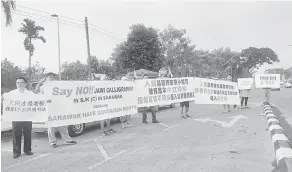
pixel 282 146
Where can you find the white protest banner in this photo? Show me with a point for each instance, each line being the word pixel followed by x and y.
pixel 75 102
pixel 163 91
pixel 209 91
pixel 245 83
pixel 267 80
pixel 24 107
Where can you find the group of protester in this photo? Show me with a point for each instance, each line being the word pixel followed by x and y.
pixel 25 127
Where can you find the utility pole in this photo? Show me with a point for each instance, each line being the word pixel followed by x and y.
pixel 88 47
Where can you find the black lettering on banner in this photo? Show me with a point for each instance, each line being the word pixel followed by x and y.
pixel 140 100
pixel 205 84
pixel 221 86
pixel 178 96
pixel 153 83
pixel 17 103
pixel 197 90
pixel 215 85
pixel 171 82
pixel 147 83
pixel 7 109
pixel 163 82
pixel 23 103
pixel 209 85
pixel 182 95
pixel 42 103
pixel 214 98
pixel 182 81
pixel 168 97
pixel 158 83
pixel 174 89
pixel 211 98
pixel 29 103
pixel 155 99
pixel 186 81
pixel 33 109
pixel 159 90
pixel 218 85
pixel 175 82
pixel 219 98
pixel 175 96
pixel 172 96
pixel 150 91
pixel 150 99
pixel 179 82
pixel 155 90
pixel 11 103
pixel 212 86
pixel 164 90
pixel 23 110
pixel 167 82
pixel 169 90
pixel 145 99
pixel 185 95
pixel 28 109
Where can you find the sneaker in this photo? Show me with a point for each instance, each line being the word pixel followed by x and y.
pixel 183 117
pixel 16 155
pixel 105 133
pixel 155 121
pixel 111 130
pixel 144 122
pixel 71 142
pixel 54 145
pixel 28 153
pixel 188 116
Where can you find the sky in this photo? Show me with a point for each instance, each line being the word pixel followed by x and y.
pixel 210 25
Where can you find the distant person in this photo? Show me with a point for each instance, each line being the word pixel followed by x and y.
pixel 227 106
pixel 244 94
pixel 19 127
pixel 63 130
pixel 106 130
pixel 152 109
pixel 185 104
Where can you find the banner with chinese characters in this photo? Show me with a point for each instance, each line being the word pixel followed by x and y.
pixel 245 83
pixel 267 80
pixel 209 91
pixel 163 91
pixel 24 107
pixel 75 102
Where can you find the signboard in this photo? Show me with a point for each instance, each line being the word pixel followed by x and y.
pixel 209 91
pixel 152 92
pixel 267 80
pixel 245 83
pixel 82 102
pixel 24 107
pixel 162 72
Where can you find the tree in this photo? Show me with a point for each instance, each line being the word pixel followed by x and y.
pixel 142 49
pixel 74 71
pixel 9 73
pixel 288 73
pixel 31 31
pixel 37 72
pixel 8 6
pixel 177 51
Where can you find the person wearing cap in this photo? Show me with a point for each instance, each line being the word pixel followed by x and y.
pixel 52 130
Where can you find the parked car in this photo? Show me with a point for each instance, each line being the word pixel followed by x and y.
pixel 288 83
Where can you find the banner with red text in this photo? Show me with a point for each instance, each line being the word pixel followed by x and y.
pixel 209 91
pixel 75 102
pixel 163 91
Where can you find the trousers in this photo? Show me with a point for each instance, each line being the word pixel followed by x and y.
pixel 63 130
pixel 18 128
pixel 152 109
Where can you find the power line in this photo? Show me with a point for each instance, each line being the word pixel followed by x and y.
pixel 95 30
pixel 96 27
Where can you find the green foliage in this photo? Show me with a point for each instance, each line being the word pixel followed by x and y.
pixel 75 71
pixel 9 73
pixel 142 50
pixel 8 6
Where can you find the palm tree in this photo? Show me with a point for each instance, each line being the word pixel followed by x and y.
pixel 31 31
pixel 8 5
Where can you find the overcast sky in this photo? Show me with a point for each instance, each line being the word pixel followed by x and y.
pixel 210 25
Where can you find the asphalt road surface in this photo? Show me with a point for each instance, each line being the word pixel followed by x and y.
pixel 209 141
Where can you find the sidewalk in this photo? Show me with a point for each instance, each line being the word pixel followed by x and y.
pixel 6 126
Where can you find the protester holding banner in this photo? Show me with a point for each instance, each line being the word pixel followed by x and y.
pixel 125 120
pixel 52 130
pixel 152 109
pixel 19 127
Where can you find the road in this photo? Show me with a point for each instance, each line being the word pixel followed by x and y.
pixel 209 141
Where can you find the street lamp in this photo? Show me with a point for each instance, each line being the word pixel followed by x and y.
pixel 55 15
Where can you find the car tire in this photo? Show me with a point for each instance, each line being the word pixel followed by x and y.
pixel 172 105
pixel 76 130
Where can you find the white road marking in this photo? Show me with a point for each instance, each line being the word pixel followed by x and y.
pixel 8 150
pixel 102 151
pixel 172 127
pixel 163 124
pixel 104 161
pixel 29 160
pixel 223 123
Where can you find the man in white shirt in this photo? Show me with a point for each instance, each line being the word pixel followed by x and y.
pixel 52 130
pixel 19 127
